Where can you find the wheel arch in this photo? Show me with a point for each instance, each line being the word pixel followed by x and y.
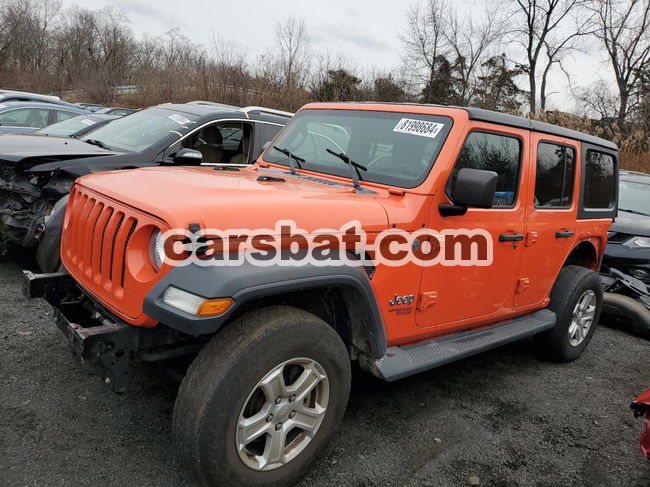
pixel 342 297
pixel 584 254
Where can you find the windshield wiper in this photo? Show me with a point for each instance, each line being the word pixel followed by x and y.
pixel 98 143
pixel 636 212
pixel 292 157
pixel 354 167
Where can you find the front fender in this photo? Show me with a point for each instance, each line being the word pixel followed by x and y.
pixel 248 282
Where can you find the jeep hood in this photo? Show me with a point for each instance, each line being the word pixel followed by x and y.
pixel 34 149
pixel 238 199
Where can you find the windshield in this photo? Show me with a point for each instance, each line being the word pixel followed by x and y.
pixel 634 196
pixel 141 130
pixel 68 127
pixel 397 149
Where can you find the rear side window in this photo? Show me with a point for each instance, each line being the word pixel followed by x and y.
pixel 268 131
pixel 492 152
pixel 63 115
pixel 556 167
pixel 599 180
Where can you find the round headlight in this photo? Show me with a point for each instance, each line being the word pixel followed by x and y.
pixel 157 250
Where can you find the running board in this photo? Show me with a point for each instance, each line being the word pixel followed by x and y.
pixel 399 362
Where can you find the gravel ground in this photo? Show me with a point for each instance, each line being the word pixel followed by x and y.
pixel 503 417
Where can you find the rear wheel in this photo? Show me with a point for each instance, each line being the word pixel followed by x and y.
pixel 576 299
pixel 261 400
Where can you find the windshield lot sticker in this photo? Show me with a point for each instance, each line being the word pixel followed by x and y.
pixel 87 121
pixel 180 120
pixel 418 127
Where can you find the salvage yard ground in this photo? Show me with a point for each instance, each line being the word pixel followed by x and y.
pixel 503 416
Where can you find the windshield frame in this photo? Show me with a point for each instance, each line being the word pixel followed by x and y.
pixel 344 172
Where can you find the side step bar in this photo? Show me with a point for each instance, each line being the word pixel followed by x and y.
pixel 399 362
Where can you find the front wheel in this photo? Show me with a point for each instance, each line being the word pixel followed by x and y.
pixel 262 398
pixel 576 299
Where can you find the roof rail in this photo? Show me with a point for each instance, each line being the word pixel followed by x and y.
pixel 211 104
pixel 269 111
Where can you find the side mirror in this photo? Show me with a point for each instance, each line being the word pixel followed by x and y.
pixel 188 156
pixel 473 188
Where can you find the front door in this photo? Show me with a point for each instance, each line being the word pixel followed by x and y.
pixel 458 297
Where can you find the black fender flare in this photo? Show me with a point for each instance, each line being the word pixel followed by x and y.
pixel 247 282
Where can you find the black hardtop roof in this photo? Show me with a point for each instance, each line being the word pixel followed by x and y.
pixel 490 116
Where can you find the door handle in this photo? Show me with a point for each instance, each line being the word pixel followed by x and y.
pixel 561 234
pixel 510 237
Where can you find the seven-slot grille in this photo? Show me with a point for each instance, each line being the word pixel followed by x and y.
pixel 97 239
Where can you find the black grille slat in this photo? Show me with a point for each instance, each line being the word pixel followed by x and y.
pixel 126 243
pixel 117 230
pixel 101 244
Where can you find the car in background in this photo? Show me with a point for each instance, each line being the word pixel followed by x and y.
pixel 34 176
pixel 625 270
pixel 27 117
pixel 18 95
pixel 121 112
pixel 15 96
pixel 77 126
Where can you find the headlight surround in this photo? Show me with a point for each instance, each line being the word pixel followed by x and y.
pixel 637 243
pixel 157 250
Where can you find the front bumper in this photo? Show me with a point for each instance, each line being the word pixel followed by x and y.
pixel 94 336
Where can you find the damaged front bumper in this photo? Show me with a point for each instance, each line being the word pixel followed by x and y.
pixel 93 335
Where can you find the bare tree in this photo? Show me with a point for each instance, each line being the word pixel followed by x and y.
pixel 537 20
pixel 424 40
pixel 292 50
pixel 624 30
pixel 469 41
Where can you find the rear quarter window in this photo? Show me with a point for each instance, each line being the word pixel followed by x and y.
pixel 599 180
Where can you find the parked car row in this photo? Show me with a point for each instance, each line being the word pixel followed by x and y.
pixel 36 171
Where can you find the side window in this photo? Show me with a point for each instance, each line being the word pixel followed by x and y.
pixel 62 115
pixel 222 142
pixel 25 117
pixel 554 179
pixel 267 132
pixel 599 180
pixel 492 152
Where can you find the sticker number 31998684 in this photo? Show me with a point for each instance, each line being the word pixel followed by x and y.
pixel 422 128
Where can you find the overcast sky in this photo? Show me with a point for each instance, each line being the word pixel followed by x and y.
pixel 364 31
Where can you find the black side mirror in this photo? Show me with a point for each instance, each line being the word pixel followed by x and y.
pixel 188 156
pixel 473 188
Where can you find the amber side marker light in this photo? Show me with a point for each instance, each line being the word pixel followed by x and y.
pixel 195 305
pixel 214 307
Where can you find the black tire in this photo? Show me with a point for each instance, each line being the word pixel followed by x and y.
pixel 225 373
pixel 48 253
pixel 571 284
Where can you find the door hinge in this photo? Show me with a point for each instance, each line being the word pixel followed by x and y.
pixel 531 238
pixel 522 285
pixel 427 300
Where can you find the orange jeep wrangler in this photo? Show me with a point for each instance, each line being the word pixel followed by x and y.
pixel 272 345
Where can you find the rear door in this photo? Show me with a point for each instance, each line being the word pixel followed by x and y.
pixel 552 213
